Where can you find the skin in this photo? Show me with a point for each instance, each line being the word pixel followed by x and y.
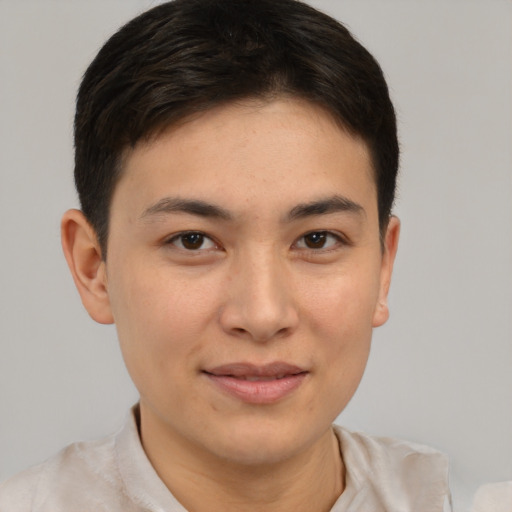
pixel 257 288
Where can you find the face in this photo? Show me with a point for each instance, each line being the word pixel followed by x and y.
pixel 245 273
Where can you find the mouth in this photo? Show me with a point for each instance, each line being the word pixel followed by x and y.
pixel 256 378
pixel 256 384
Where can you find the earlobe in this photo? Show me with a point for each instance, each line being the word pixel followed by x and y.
pixel 390 248
pixel 83 254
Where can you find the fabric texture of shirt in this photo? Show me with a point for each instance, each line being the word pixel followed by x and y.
pixel 115 475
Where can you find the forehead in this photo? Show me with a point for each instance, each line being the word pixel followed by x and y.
pixel 284 149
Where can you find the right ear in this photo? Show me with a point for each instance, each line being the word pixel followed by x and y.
pixel 83 254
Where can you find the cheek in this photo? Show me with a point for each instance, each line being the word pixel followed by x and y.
pixel 159 319
pixel 343 305
pixel 340 316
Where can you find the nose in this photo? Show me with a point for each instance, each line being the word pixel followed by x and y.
pixel 261 304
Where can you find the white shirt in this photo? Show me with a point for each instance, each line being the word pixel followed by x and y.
pixel 114 475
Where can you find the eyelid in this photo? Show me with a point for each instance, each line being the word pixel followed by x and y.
pixel 341 240
pixel 176 236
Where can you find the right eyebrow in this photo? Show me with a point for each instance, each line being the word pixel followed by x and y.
pixel 191 206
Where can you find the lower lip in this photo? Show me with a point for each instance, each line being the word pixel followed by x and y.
pixel 258 392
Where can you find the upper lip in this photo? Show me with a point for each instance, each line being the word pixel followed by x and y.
pixel 241 370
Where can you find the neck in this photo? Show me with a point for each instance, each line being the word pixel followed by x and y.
pixel 308 481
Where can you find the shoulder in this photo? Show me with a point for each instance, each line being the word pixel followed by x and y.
pixel 16 494
pixel 64 479
pixel 398 471
pixel 396 452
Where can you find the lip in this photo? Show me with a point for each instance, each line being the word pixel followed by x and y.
pixel 257 384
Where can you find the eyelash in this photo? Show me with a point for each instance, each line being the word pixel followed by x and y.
pixel 181 236
pixel 338 239
pixel 324 234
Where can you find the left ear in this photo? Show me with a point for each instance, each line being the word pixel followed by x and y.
pixel 391 237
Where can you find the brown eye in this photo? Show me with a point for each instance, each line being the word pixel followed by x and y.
pixel 192 241
pixel 315 240
pixel 318 240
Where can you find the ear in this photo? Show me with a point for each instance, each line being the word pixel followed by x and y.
pixel 83 254
pixel 390 247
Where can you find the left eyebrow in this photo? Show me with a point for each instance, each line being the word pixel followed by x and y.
pixel 324 206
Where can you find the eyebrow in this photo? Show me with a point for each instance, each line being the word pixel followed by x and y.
pixel 201 208
pixel 324 206
pixel 191 206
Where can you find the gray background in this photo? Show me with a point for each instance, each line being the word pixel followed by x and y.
pixel 440 370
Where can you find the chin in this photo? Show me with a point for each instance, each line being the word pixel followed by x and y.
pixel 254 455
pixel 263 443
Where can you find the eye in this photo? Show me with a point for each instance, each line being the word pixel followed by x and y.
pixel 318 240
pixel 192 241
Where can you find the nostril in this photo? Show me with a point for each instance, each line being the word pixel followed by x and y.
pixel 259 320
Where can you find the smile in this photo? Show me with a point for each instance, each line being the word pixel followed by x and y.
pixel 254 384
pixel 255 378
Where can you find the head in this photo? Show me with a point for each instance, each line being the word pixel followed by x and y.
pixel 236 163
pixel 186 57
